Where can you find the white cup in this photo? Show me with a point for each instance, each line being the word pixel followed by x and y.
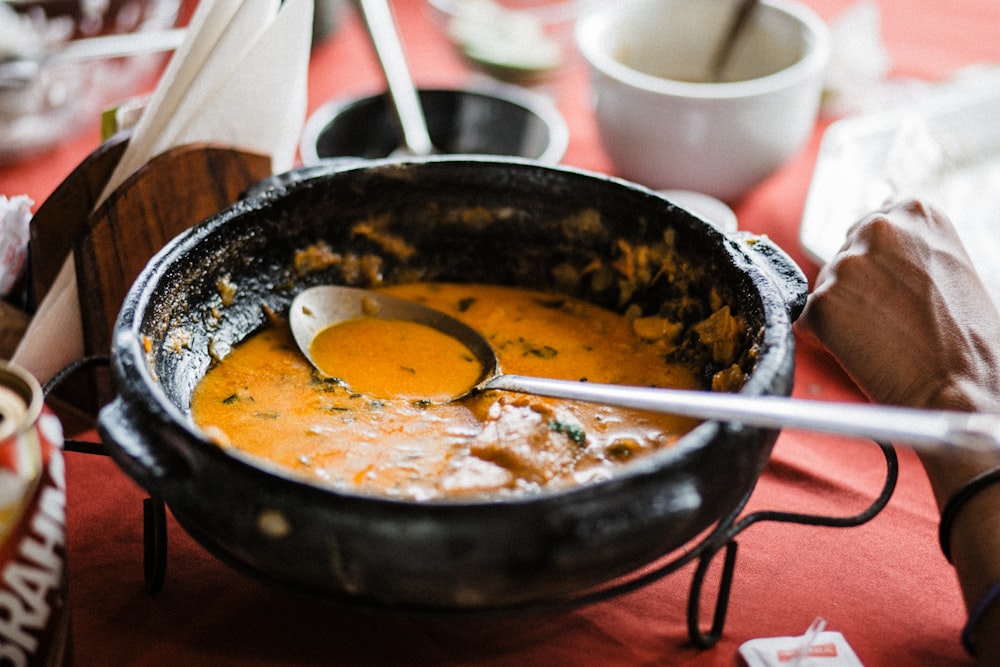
pixel 662 120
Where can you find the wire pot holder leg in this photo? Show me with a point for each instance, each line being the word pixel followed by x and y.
pixel 725 541
pixel 154 514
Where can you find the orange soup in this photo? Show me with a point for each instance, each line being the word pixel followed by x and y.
pixel 387 358
pixel 265 400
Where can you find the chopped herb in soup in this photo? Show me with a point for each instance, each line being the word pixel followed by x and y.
pixel 267 401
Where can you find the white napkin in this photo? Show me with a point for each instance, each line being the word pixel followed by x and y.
pixel 238 55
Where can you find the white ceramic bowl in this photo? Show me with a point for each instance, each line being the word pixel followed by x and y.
pixel 665 125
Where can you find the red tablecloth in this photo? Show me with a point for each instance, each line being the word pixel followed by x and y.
pixel 884 585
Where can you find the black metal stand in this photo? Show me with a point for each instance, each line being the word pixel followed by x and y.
pixel 722 538
pixel 725 539
pixel 154 544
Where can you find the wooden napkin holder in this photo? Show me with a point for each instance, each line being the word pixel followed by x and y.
pixel 112 244
pixel 13 323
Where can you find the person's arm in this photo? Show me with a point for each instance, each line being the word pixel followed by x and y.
pixel 904 312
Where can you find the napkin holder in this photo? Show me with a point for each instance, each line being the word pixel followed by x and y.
pixel 13 323
pixel 112 243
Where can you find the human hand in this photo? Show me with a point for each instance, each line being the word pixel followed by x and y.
pixel 904 312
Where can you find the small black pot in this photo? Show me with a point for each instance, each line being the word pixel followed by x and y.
pixel 468 220
pixel 501 120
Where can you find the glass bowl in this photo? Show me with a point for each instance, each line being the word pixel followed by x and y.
pixel 511 40
pixel 64 98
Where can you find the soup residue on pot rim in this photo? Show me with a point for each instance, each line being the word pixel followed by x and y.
pixel 265 400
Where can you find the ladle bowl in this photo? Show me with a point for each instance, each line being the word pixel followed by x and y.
pixel 323 306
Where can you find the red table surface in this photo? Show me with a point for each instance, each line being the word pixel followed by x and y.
pixel 884 585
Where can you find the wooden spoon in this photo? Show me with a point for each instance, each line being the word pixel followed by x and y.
pixel 740 19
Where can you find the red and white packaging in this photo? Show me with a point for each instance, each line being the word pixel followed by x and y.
pixel 815 648
pixel 34 602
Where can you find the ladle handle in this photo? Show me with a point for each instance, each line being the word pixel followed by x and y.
pixel 405 100
pixel 917 428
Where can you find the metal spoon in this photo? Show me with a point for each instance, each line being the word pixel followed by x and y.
pixel 740 19
pixel 20 71
pixel 316 308
pixel 403 94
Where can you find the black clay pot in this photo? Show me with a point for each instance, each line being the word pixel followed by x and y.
pixel 472 220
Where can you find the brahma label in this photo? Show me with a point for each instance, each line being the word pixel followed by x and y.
pixel 34 610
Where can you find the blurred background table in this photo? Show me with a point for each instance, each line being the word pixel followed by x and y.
pixel 884 585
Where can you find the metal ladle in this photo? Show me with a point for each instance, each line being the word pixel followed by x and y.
pixel 319 307
pixel 403 94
